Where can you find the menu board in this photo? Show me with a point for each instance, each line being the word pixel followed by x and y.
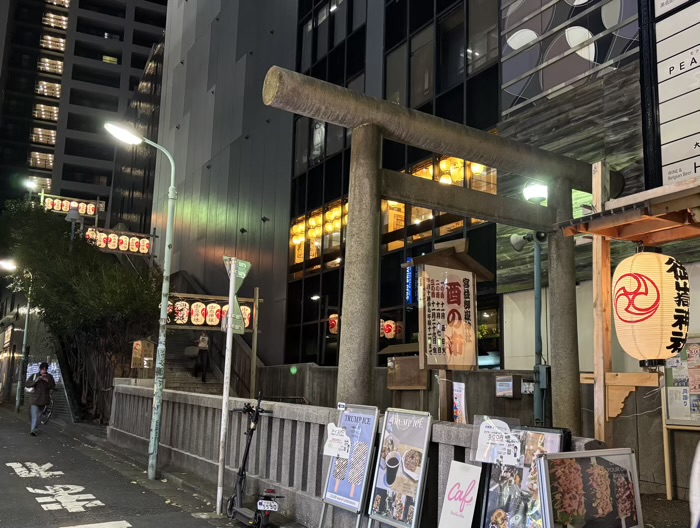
pixel 682 385
pixel 513 491
pixel 590 489
pixel 347 476
pixel 397 489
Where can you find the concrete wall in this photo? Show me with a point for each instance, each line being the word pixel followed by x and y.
pixel 286 453
pixel 233 154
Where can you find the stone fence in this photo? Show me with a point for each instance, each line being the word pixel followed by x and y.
pixel 286 453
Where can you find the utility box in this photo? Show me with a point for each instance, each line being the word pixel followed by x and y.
pixel 508 386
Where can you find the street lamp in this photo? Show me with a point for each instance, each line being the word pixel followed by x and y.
pixel 9 265
pixel 73 216
pixel 535 192
pixel 129 136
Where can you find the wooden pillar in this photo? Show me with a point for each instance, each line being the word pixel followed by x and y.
pixel 602 310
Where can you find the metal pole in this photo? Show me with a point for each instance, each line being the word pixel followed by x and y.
pixel 19 400
pixel 539 414
pixel 72 230
pixel 227 385
pixel 254 344
pixel 154 439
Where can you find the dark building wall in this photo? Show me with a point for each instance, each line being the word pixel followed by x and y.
pixel 131 199
pixel 232 153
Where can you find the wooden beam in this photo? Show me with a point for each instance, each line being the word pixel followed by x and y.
pixel 638 230
pixel 617 394
pixel 587 379
pixel 664 193
pixel 677 204
pixel 466 202
pixel 676 234
pixel 633 379
pixel 602 308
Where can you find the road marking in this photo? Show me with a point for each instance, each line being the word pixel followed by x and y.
pixel 65 497
pixel 112 524
pixel 30 469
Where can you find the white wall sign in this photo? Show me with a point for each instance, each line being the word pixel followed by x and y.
pixel 460 497
pixel 32 470
pixel 65 497
pixel 678 84
pixel 337 443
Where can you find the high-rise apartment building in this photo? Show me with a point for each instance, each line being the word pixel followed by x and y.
pixel 69 66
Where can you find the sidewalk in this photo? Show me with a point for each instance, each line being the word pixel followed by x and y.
pixel 177 489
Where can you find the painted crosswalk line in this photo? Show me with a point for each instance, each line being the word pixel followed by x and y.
pixel 111 524
pixel 65 497
pixel 30 469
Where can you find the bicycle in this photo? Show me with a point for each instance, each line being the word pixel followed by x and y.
pixel 47 412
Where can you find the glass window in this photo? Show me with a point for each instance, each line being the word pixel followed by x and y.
pixel 449 171
pixel 482 178
pixel 420 217
pixel 40 160
pixel 318 142
pixel 396 76
pixel 45 112
pixel 451 50
pixel 55 21
pixel 322 32
pixel 422 67
pixel 314 233
pixel 358 84
pixel 53 43
pixel 48 89
pixel 44 136
pixel 333 222
pixel 336 135
pixel 359 13
pixel 393 221
pixel 50 65
pixel 301 149
pixel 339 10
pixel 483 33
pixel 296 241
pixel 312 298
pixel 306 42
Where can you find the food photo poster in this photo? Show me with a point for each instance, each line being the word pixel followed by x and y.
pixel 600 491
pixel 395 497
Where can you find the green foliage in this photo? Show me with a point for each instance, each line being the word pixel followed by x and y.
pixel 92 303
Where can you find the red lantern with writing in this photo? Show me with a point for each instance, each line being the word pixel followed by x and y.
pixel 651 306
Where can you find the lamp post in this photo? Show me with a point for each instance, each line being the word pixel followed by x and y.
pixel 9 265
pixel 536 192
pixel 31 185
pixel 73 216
pixel 131 137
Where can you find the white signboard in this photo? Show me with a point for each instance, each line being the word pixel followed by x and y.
pixel 337 444
pixel 460 497
pixel 661 7
pixel 678 82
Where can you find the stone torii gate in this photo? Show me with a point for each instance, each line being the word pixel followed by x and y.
pixel 370 120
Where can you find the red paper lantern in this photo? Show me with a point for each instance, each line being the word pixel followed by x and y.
pixel 333 324
pixel 651 306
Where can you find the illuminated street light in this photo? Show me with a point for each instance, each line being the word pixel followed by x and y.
pixel 535 192
pixel 129 136
pixel 8 265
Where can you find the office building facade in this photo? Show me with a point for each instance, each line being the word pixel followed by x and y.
pixel 70 65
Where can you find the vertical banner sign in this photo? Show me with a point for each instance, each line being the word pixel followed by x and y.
pixel 397 490
pixel 447 318
pixel 346 483
pixel 241 270
pixel 460 497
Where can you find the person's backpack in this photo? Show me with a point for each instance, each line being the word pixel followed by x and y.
pixel 30 390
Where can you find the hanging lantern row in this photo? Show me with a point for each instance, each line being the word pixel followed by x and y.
pixel 64 206
pixel 117 242
pixel 334 218
pixel 199 314
pixel 651 306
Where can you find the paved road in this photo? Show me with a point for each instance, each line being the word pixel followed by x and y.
pixel 55 480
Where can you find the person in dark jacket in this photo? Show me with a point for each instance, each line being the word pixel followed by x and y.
pixel 42 383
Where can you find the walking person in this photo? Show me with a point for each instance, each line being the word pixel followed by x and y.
pixel 203 362
pixel 41 383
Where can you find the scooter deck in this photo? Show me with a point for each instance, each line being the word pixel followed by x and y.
pixel 244 512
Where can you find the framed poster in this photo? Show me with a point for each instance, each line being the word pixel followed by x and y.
pixel 397 488
pixel 682 385
pixel 513 491
pixel 346 482
pixel 461 495
pixel 459 404
pixel 590 489
pixel 447 318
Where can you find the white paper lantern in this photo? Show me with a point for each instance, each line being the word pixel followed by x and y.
pixel 213 314
pixel 198 311
pixel 651 303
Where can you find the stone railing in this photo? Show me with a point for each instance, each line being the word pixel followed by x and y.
pixel 286 453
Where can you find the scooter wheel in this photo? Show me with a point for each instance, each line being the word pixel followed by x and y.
pixel 259 520
pixel 229 507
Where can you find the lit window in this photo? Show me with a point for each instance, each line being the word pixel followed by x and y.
pixel 55 21
pixel 482 179
pixel 59 3
pixel 421 218
pixel 45 112
pixel 50 65
pixel 43 136
pixel 109 59
pixel 296 241
pixel 48 89
pixel 53 43
pixel 393 221
pixel 40 160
